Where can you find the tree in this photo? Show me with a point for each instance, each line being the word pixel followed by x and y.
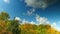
pixel 4 16
pixel 29 29
pixel 14 26
pixel 3 22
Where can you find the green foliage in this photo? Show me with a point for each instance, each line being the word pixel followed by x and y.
pixel 40 29
pixel 12 26
pixel 4 16
pixel 9 25
pixel 15 30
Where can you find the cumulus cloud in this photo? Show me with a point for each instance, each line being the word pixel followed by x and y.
pixel 39 3
pixel 39 20
pixel 6 1
pixel 54 25
pixel 17 18
pixel 24 21
pixel 32 22
pixel 30 12
pixel 42 20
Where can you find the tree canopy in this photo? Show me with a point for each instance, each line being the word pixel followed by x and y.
pixel 12 26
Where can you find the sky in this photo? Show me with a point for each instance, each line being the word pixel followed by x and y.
pixel 33 11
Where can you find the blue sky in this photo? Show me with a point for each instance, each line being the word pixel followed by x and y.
pixel 24 10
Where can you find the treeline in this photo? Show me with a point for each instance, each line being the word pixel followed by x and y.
pixel 8 26
pixel 13 26
pixel 38 29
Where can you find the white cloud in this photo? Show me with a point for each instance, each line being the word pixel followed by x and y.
pixel 17 18
pixel 24 21
pixel 29 12
pixel 6 1
pixel 42 20
pixel 53 25
pixel 32 22
pixel 39 3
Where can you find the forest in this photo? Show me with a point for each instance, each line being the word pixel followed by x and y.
pixel 13 26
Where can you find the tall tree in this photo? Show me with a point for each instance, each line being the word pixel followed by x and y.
pixel 14 26
pixel 4 16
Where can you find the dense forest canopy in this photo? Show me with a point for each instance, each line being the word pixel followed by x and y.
pixel 13 26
